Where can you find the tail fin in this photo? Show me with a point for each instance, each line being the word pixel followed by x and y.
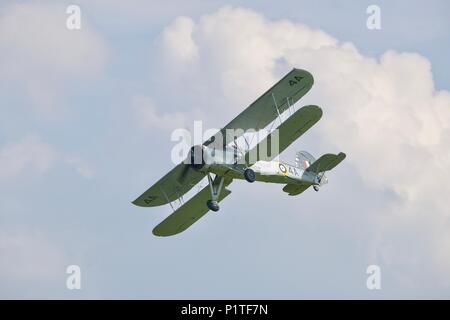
pixel 326 162
pixel 304 159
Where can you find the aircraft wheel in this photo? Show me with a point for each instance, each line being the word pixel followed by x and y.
pixel 249 175
pixel 212 205
pixel 316 188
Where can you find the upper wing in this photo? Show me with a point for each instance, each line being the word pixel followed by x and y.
pixel 187 214
pixel 170 187
pixel 257 116
pixel 326 162
pixel 286 133
pixel 263 111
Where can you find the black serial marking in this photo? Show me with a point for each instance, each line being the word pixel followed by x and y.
pixel 149 199
pixel 293 171
pixel 295 81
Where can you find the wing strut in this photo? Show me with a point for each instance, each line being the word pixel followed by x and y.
pixel 167 198
pixel 289 131
pixel 290 107
pixel 276 106
pixel 261 112
pixel 180 199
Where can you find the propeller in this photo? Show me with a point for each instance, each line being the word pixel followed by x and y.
pixel 183 174
pixel 191 165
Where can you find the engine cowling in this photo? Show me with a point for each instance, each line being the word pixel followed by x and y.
pixel 197 157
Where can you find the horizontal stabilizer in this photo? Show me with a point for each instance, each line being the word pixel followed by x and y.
pixel 326 162
pixel 188 213
pixel 295 189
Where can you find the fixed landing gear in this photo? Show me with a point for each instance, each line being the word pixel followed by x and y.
pixel 319 182
pixel 249 175
pixel 215 186
pixel 213 205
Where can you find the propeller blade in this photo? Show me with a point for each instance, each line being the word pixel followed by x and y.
pixel 182 178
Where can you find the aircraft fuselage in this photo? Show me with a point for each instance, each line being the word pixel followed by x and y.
pixel 266 171
pixel 226 163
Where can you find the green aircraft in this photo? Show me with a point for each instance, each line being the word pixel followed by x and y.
pixel 220 156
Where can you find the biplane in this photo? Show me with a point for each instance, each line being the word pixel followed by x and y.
pixel 221 160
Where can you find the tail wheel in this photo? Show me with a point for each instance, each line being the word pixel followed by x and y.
pixel 316 188
pixel 249 175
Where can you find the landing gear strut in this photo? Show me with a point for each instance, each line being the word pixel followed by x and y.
pixel 215 186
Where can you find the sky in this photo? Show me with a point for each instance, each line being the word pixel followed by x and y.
pixel 86 117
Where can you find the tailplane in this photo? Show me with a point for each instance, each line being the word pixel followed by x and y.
pixel 326 162
pixel 314 170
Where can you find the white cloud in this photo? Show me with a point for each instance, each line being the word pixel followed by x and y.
pixel 28 258
pixel 34 38
pixel 37 51
pixel 149 118
pixel 82 168
pixel 177 40
pixel 384 113
pixel 28 155
pixel 32 155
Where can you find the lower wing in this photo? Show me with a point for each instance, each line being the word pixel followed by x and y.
pixel 188 213
pixel 169 188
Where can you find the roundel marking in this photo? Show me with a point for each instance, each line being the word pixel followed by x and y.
pixel 283 169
